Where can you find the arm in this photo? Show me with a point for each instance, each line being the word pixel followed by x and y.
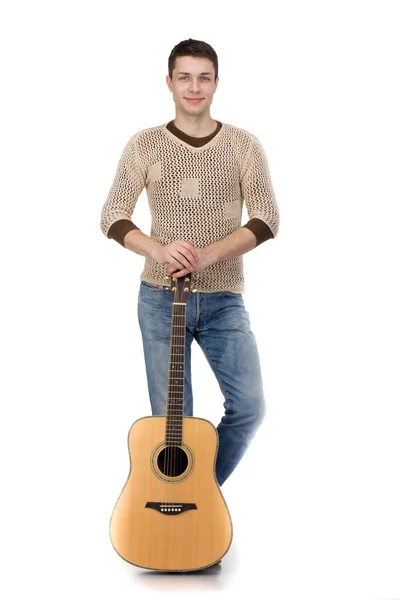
pixel 129 181
pixel 262 209
pixel 235 244
pixel 176 255
pixel 258 192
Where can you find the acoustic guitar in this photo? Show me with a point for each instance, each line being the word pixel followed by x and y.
pixel 171 514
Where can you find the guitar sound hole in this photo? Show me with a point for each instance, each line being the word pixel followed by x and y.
pixel 172 461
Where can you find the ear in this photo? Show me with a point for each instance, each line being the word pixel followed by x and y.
pixel 168 80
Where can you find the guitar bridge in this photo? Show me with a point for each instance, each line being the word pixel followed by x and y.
pixel 171 508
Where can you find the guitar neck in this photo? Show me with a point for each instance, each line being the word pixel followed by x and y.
pixel 176 375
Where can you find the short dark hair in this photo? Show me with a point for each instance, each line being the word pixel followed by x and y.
pixel 192 47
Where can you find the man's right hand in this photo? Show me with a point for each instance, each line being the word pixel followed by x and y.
pixel 179 254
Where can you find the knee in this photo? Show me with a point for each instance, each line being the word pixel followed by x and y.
pixel 250 414
pixel 260 413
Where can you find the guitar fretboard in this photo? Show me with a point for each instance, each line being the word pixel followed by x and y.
pixel 176 376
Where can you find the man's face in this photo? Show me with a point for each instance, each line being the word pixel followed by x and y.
pixel 192 78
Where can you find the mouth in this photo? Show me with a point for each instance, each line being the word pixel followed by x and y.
pixel 194 100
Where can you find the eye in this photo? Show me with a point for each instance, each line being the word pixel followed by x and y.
pixel 185 77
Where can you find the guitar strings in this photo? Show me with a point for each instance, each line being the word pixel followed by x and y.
pixel 176 379
pixel 177 350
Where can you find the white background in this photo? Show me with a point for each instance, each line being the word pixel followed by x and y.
pixel 315 501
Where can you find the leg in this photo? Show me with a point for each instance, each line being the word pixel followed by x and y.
pixel 154 314
pixel 225 336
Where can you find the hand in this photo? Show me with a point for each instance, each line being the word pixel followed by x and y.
pixel 178 256
pixel 204 259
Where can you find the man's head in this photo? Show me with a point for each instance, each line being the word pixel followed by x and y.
pixel 192 74
pixel 192 48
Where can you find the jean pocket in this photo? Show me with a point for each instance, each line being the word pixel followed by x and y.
pixel 233 294
pixel 152 286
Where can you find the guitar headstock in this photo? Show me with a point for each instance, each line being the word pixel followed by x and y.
pixel 180 287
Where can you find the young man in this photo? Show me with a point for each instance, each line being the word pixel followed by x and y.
pixel 197 173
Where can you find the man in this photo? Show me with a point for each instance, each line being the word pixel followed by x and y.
pixel 197 172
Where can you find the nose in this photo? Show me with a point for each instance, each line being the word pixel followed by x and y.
pixel 194 86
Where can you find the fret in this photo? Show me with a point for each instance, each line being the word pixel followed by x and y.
pixel 176 371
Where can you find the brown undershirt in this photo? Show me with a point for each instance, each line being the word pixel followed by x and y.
pixel 120 228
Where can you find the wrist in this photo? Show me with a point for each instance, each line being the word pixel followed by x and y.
pixel 210 253
pixel 142 244
pixel 155 251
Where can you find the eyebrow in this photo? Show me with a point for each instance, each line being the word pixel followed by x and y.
pixel 184 73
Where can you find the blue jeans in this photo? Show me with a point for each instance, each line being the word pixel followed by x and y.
pixel 220 324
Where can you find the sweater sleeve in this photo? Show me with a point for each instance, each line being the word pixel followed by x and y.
pixel 257 190
pixel 260 229
pixel 129 181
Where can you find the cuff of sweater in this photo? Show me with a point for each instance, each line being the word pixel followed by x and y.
pixel 119 229
pixel 260 230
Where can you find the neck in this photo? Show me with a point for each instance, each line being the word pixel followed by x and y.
pixel 195 126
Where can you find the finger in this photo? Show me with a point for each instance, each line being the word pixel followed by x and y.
pixel 178 261
pixel 170 268
pixel 177 265
pixel 181 273
pixel 187 248
pixel 173 271
pixel 186 258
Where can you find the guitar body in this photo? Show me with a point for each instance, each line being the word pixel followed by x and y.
pixel 171 514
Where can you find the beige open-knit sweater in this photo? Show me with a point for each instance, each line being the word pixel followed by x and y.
pixel 194 193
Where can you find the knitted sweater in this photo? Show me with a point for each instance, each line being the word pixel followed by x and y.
pixel 195 189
